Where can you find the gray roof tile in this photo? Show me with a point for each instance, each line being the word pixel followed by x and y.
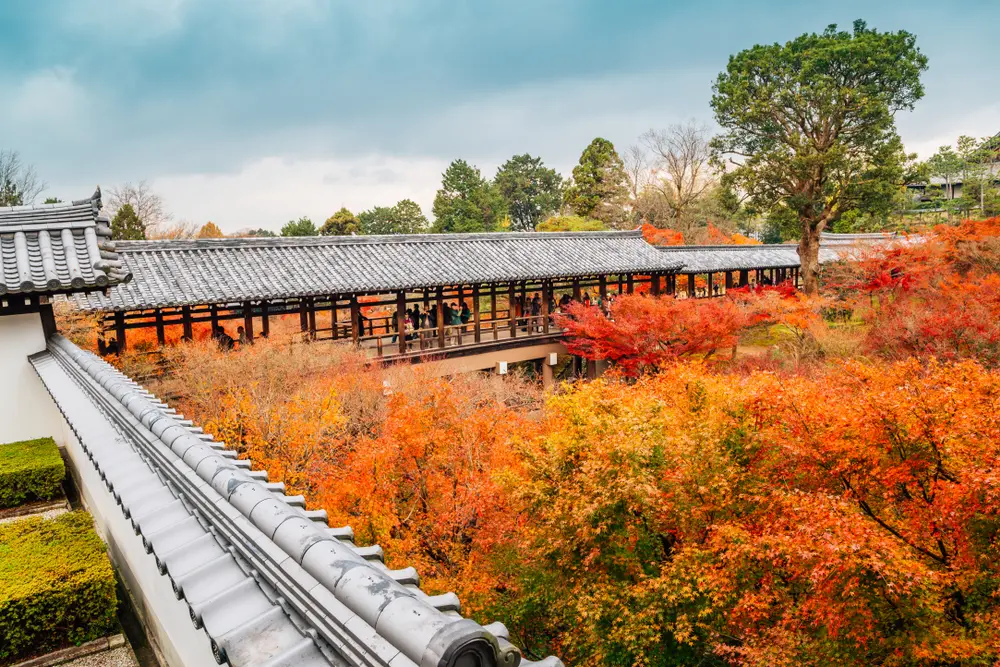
pixel 57 249
pixel 173 273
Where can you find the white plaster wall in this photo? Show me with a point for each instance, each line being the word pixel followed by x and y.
pixel 26 410
pixel 168 625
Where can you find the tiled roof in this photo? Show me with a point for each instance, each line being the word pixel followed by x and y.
pixel 57 249
pixel 173 273
pixel 270 583
pixel 717 258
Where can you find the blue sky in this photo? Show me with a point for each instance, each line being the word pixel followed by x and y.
pixel 251 112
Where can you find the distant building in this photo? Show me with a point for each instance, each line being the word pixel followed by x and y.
pixel 953 190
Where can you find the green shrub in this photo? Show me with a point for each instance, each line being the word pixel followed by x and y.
pixel 30 470
pixel 57 587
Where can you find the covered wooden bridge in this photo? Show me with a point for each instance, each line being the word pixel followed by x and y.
pixel 470 292
pixel 360 288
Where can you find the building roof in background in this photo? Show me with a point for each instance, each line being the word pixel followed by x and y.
pixel 175 273
pixel 58 249
pixel 718 258
pixel 269 582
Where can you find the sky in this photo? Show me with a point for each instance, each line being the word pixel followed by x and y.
pixel 253 112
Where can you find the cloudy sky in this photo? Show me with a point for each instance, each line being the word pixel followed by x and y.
pixel 252 112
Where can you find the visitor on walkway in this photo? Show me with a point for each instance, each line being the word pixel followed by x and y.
pixel 241 335
pixel 466 314
pixel 224 340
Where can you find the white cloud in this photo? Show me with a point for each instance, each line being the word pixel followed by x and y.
pixel 49 102
pixel 270 191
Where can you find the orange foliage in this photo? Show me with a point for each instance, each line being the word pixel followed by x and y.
pixel 658 236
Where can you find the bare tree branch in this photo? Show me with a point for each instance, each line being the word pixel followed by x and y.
pixel 19 183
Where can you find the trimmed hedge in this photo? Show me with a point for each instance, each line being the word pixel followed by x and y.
pixel 57 587
pixel 30 470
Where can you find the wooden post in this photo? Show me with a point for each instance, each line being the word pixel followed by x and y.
pixel 440 317
pixel 355 316
pixel 248 320
pixel 120 330
pixel 710 285
pixel 303 316
pixel 186 319
pixel 576 290
pixel 671 284
pixel 690 289
pixel 214 314
pixel 334 325
pixel 602 288
pixel 621 285
pixel 458 305
pixel 475 313
pixel 510 311
pixel 401 320
pixel 546 290
pixel 265 323
pixel 630 283
pixel 729 280
pixel 161 337
pixel 493 307
pixel 744 278
pixel 654 284
pixel 312 318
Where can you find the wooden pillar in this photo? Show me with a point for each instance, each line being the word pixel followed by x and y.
pixel 621 285
pixel 120 330
pixel 248 320
pixel 744 278
pixel 602 288
pixel 710 285
pixel 511 310
pixel 265 323
pixel 214 315
pixel 458 305
pixel 630 283
pixel 729 280
pixel 475 314
pixel 654 284
pixel 690 289
pixel 546 290
pixel 312 318
pixel 161 337
pixel 303 315
pixel 576 290
pixel 401 320
pixel 355 324
pixel 493 304
pixel 759 276
pixel 334 316
pixel 186 321
pixel 440 317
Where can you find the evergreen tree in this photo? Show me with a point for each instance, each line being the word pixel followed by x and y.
pixel 600 186
pixel 403 218
pixel 126 225
pixel 531 191
pixel 301 227
pixel 467 202
pixel 341 223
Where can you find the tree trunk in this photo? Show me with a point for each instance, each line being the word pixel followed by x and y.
pixel 809 256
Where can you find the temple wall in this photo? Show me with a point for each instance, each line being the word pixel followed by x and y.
pixel 26 411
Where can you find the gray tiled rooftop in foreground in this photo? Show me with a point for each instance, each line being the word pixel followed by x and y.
pixel 270 583
pixel 57 249
pixel 173 273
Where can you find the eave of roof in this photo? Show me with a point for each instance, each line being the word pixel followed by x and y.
pixel 60 248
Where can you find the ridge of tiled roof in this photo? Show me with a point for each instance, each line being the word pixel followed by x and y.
pixel 177 273
pixel 270 583
pixel 59 248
